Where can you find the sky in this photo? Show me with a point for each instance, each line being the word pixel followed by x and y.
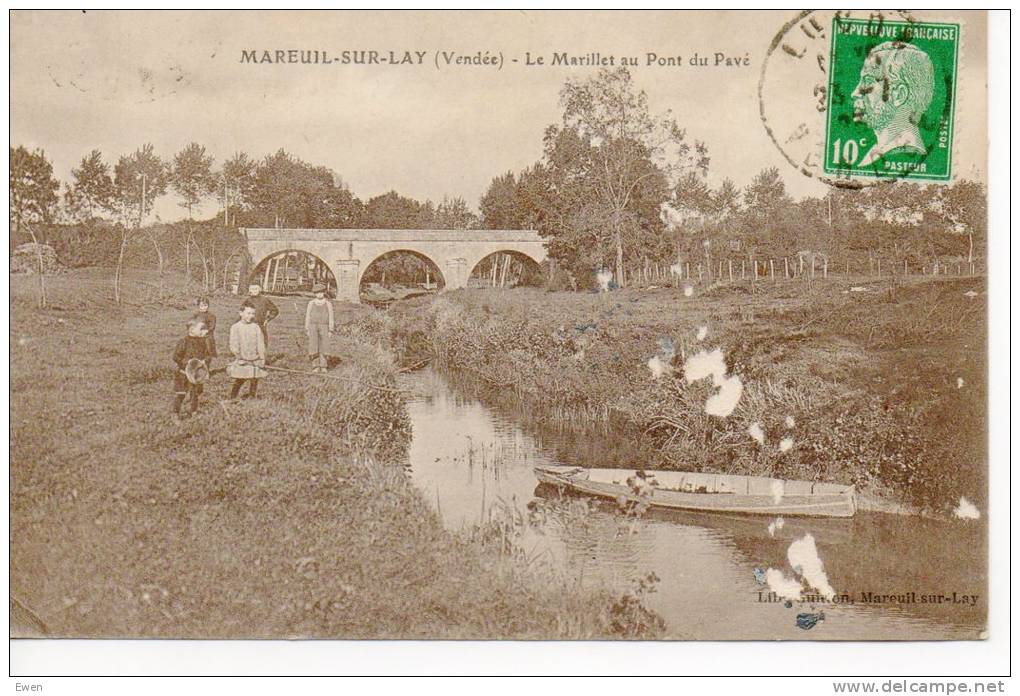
pixel 115 80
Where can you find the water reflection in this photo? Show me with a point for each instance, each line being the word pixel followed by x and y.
pixel 470 459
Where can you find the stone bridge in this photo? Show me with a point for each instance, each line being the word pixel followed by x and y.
pixel 349 252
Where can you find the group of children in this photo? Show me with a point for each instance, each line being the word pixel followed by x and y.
pixel 249 339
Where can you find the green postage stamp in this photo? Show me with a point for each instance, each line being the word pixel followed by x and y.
pixel 891 94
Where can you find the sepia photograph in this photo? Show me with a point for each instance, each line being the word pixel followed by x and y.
pixel 499 325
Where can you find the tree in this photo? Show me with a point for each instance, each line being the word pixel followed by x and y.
pixel 191 175
pixel 236 181
pixel 765 199
pixel 535 200
pixel 391 211
pixel 498 204
pixel 453 214
pixel 693 198
pixel 92 191
pixel 692 207
pixel 290 192
pixel 765 195
pixel 726 202
pixel 33 189
pixel 427 217
pixel 192 178
pixel 962 208
pixel 33 193
pixel 624 159
pixel 138 180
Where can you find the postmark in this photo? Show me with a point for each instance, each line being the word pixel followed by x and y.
pixel 834 96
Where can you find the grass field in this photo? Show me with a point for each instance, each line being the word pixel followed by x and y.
pixel 286 516
pixel 880 384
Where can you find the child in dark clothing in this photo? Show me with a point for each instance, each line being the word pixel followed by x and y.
pixel 265 310
pixel 192 347
pixel 209 319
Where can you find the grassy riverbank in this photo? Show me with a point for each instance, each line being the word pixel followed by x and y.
pixel 883 387
pixel 285 516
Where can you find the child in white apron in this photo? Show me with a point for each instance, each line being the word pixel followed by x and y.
pixel 248 344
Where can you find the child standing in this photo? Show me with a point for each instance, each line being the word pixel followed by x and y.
pixel 318 325
pixel 249 348
pixel 190 356
pixel 265 310
pixel 209 319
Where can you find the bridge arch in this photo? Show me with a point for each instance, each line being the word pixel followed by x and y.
pixel 399 272
pixel 505 268
pixel 291 270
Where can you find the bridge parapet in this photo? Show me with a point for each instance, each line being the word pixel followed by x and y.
pixel 368 235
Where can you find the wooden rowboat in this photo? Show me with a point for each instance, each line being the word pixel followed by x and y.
pixel 682 490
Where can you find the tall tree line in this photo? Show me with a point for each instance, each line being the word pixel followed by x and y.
pixel 115 202
pixel 279 190
pixel 618 187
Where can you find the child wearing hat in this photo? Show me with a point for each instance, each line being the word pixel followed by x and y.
pixel 209 319
pixel 248 345
pixel 318 325
pixel 191 356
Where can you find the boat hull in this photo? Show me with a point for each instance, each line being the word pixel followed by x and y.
pixel 708 492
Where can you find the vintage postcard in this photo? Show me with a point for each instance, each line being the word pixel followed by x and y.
pixel 499 325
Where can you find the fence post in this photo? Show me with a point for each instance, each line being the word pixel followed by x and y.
pixel 812 266
pixel 729 262
pixel 699 273
pixel 772 268
pixel 904 268
pixel 688 264
pixel 786 267
pixel 741 269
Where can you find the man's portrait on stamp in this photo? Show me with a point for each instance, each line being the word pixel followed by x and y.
pixel 891 98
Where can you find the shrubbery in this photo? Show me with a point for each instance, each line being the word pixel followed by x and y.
pixel 858 414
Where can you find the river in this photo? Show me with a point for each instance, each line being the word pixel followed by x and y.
pixel 895 577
